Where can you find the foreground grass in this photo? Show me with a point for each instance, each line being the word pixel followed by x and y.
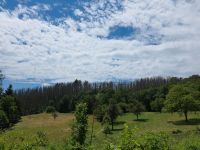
pixel 155 122
pixel 58 130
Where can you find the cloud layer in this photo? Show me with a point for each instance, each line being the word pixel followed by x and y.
pixel 100 40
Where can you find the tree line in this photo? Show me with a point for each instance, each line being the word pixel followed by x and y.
pixel 64 96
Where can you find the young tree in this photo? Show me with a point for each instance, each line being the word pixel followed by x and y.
pixel 106 123
pixel 113 112
pixel 137 108
pixel 183 98
pixel 80 126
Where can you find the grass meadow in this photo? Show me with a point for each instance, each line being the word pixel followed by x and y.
pixel 58 130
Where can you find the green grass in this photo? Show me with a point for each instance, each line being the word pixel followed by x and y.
pixel 153 122
pixel 58 130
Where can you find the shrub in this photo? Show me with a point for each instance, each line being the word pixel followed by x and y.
pixel 153 141
pixel 50 109
pixel 4 123
pixel 132 140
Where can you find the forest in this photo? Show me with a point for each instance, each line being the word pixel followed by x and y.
pixel 64 96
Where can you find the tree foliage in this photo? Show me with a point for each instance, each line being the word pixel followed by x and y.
pixel 9 107
pixel 80 126
pixel 65 104
pixel 157 104
pixel 67 95
pixel 137 108
pixel 4 122
pixel 50 109
pixel 8 104
pixel 113 111
pixel 131 140
pixel 183 98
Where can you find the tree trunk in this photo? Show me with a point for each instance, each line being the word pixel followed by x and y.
pixel 137 116
pixel 186 116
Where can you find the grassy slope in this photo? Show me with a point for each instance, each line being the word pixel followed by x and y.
pixel 58 130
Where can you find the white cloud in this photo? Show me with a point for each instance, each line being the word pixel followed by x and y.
pixel 77 12
pixel 38 50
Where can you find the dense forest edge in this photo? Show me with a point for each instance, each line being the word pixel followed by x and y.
pixel 105 101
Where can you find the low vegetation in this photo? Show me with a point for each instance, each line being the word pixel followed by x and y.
pixel 57 132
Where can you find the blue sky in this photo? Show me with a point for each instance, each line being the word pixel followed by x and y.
pixel 48 41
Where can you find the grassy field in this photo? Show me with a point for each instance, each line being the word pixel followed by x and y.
pixel 58 130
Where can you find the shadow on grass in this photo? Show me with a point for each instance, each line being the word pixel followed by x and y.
pixel 141 120
pixel 183 122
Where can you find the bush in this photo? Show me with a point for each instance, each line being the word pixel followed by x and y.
pixel 4 123
pixel 50 109
pixel 154 141
pixel 132 140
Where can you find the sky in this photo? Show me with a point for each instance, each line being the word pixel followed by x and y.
pixel 48 41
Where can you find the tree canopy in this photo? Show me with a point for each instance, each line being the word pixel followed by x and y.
pixel 183 98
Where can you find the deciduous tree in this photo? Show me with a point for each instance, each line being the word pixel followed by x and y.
pixel 183 98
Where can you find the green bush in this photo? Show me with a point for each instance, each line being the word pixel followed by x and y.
pixel 4 123
pixel 155 141
pixel 132 140
pixel 50 109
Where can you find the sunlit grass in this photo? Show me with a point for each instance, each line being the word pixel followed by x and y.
pixel 59 129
